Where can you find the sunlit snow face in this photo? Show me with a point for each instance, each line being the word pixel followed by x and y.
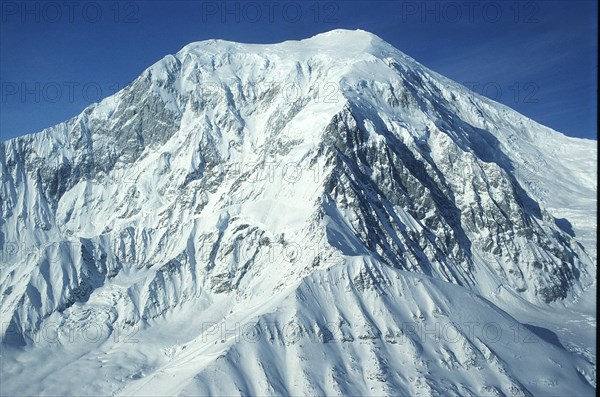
pixel 316 217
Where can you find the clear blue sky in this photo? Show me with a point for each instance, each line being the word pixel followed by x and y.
pixel 538 57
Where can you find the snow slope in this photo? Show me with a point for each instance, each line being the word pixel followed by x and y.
pixel 324 216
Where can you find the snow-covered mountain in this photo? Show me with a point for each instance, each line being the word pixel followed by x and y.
pixel 314 217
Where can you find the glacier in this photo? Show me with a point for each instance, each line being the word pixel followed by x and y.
pixel 315 217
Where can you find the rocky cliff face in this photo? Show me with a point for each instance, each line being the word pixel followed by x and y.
pixel 333 184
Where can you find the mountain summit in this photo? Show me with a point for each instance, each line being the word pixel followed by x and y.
pixel 324 216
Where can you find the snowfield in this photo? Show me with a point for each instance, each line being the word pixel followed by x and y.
pixel 315 217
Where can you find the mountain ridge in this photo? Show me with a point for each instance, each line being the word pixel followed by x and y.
pixel 203 188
